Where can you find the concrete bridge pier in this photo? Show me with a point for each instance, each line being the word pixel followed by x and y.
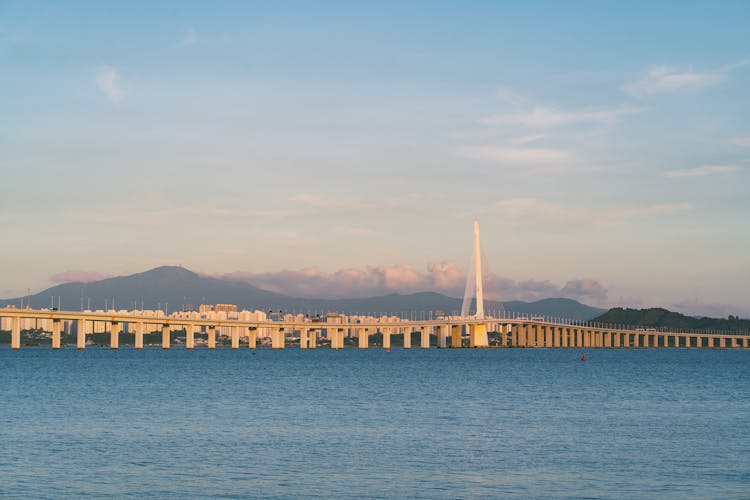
pixel 211 336
pixel 277 338
pixel 547 335
pixel 139 335
pixel 304 338
pixel 425 339
pixel 81 333
pixel 252 337
pixel 363 338
pixel 407 337
pixel 387 338
pixel 443 332
pixel 478 335
pixel 235 337
pixel 190 336
pixel 518 336
pixel 165 340
pixel 312 339
pixel 337 338
pixel 15 333
pixel 56 324
pixel 114 335
pixel 456 336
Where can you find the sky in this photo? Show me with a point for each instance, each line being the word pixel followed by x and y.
pixel 344 148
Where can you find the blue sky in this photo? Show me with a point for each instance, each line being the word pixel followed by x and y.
pixel 343 148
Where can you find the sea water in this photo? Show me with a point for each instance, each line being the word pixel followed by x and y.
pixel 437 423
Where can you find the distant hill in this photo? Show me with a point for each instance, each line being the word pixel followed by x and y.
pixel 658 317
pixel 172 287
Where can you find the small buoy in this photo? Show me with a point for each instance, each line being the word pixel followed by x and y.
pixel 583 356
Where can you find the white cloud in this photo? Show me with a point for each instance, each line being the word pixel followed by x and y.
pixel 77 277
pixel 536 212
pixel 546 117
pixel 444 277
pixel 108 81
pixel 190 38
pixel 664 79
pixel 516 156
pixel 586 288
pixel 698 307
pixel 702 171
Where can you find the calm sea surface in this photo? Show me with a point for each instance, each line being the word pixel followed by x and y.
pixel 410 423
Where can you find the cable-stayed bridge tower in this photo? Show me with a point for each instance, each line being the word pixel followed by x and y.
pixel 477 333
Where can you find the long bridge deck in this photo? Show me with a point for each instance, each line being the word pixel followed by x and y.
pixel 450 331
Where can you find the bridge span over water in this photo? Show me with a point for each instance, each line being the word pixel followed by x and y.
pixel 449 332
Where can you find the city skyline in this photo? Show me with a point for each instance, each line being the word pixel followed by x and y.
pixel 346 148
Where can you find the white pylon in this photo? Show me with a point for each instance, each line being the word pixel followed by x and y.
pixel 478 272
pixel 474 279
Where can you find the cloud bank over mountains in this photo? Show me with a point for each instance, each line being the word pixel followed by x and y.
pixel 444 277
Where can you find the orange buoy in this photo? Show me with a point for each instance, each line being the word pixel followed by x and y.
pixel 583 356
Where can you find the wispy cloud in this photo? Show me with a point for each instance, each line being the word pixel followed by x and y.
pixel 536 212
pixel 743 142
pixel 703 171
pixel 664 79
pixel 77 277
pixel 511 156
pixel 444 277
pixel 190 38
pixel 540 117
pixel 108 81
pixel 699 307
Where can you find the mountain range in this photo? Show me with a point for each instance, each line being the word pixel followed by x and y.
pixel 174 288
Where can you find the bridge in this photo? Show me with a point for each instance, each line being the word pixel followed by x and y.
pixel 451 331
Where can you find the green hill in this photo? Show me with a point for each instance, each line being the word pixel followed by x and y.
pixel 658 317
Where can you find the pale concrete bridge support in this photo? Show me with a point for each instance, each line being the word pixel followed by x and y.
pixel 363 338
pixel 211 334
pixel 81 333
pixel 337 338
pixel 56 324
pixel 407 337
pixel 478 335
pixel 190 336
pixel 617 340
pixel 277 338
pixel 165 340
pixel 252 337
pixel 387 338
pixel 15 333
pixel 139 335
pixel 235 337
pixel 425 339
pixel 456 342
pixel 312 339
pixel 443 332
pixel 547 336
pixel 114 335
pixel 304 338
